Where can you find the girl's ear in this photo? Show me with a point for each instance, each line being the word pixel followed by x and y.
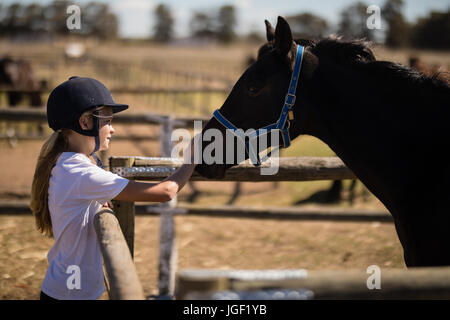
pixel 84 122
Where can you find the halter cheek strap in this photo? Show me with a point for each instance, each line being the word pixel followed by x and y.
pixel 282 123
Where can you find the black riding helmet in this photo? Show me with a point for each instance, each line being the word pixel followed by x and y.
pixel 68 101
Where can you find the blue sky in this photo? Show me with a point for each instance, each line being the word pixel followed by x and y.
pixel 137 20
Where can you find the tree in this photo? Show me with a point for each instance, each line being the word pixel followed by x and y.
pixel 353 23
pixel 34 19
pixel 99 21
pixel 201 25
pixel 57 15
pixel 307 26
pixel 433 31
pixel 398 31
pixel 226 23
pixel 163 29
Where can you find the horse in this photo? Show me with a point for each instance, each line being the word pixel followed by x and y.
pixel 18 74
pixel 387 122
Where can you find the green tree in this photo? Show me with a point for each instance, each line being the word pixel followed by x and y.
pixel 97 20
pixel 307 25
pixel 433 31
pixel 11 21
pixel 30 20
pixel 353 22
pixel 34 18
pixel 163 29
pixel 57 16
pixel 202 25
pixel 398 31
pixel 226 23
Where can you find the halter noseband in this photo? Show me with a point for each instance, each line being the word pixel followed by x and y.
pixel 283 122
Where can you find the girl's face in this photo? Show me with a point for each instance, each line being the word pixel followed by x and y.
pixel 105 127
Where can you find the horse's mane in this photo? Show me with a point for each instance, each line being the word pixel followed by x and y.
pixel 357 53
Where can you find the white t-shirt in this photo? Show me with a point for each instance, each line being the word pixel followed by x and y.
pixel 77 190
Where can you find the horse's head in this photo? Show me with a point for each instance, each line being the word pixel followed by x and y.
pixel 257 98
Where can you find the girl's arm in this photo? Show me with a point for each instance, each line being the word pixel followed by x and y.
pixel 163 191
pixel 157 192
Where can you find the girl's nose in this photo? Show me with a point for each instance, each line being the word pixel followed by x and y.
pixel 111 129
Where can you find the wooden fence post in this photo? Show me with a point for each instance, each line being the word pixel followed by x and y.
pixel 167 239
pixel 124 210
pixel 121 273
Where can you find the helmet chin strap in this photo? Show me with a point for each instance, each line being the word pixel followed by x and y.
pixel 94 155
pixel 97 141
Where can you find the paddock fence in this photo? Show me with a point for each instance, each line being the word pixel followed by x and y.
pixel 415 283
pixel 123 283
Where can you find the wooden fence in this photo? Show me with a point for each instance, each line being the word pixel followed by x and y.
pixel 430 283
pixel 142 168
pixel 133 90
pixel 121 278
pixel 124 284
pixel 414 283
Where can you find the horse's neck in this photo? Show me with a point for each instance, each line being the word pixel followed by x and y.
pixel 368 133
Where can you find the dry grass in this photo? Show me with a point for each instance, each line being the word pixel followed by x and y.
pixel 219 243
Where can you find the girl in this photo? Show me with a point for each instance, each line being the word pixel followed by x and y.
pixel 68 188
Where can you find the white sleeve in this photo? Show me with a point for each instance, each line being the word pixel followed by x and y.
pixel 98 184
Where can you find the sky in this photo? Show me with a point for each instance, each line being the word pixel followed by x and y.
pixel 136 19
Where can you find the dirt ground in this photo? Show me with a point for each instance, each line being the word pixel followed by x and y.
pixel 211 243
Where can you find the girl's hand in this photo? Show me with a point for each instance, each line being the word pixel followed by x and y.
pixel 108 204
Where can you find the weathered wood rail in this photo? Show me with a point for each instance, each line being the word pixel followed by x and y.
pixel 414 283
pixel 289 169
pixel 39 115
pixel 134 90
pixel 122 280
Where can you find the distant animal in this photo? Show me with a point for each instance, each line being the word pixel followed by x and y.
pixel 388 123
pixel 18 75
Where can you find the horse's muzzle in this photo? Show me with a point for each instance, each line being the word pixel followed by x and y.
pixel 212 171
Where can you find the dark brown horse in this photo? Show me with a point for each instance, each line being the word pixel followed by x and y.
pixel 388 123
pixel 18 75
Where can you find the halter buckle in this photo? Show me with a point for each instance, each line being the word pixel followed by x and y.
pixel 290 100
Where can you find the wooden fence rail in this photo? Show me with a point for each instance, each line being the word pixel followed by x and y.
pixel 289 169
pixel 122 280
pixel 39 115
pixel 135 90
pixel 414 283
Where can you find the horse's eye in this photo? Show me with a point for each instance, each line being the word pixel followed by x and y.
pixel 253 89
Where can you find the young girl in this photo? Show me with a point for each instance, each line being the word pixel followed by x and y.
pixel 68 188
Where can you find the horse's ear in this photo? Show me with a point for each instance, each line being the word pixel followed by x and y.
pixel 270 31
pixel 283 37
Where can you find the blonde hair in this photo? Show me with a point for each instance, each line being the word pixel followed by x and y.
pixel 56 144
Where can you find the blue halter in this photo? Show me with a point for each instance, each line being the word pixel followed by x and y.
pixel 283 122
